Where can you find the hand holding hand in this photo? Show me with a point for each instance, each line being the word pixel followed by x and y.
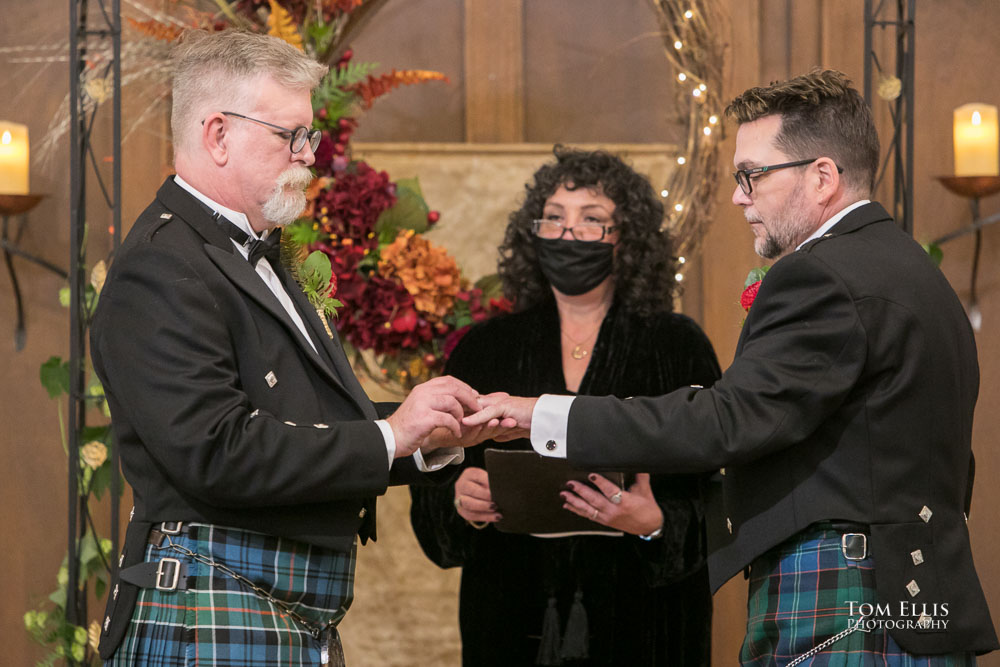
pixel 511 413
pixel 473 500
pixel 634 511
pixel 470 435
pixel 437 403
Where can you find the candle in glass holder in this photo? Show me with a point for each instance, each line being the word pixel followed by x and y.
pixel 976 142
pixel 13 158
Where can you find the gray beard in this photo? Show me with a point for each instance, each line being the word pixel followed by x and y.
pixel 284 207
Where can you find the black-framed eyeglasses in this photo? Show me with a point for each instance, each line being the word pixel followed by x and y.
pixel 297 138
pixel 585 231
pixel 742 176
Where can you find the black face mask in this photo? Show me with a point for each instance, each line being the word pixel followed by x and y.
pixel 574 267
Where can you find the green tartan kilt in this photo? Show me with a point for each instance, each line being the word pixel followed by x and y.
pixel 801 594
pixel 220 621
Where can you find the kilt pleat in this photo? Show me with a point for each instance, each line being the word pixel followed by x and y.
pixel 220 621
pixel 801 594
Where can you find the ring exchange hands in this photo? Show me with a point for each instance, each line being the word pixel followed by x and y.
pixel 431 417
pixel 634 511
pixel 511 414
pixel 473 500
pixel 439 403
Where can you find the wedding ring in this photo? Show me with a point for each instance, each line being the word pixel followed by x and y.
pixel 457 502
pixel 616 499
pixel 596 512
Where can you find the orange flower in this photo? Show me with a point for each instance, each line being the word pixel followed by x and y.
pixel 427 272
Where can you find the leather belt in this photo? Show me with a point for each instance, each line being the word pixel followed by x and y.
pixel 165 574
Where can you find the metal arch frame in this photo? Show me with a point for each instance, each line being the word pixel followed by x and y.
pixel 82 115
pixel 901 147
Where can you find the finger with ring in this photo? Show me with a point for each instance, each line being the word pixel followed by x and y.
pixel 596 512
pixel 458 502
pixel 616 499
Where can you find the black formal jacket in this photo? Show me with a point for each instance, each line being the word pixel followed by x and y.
pixel 850 398
pixel 222 411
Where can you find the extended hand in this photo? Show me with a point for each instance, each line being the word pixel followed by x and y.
pixel 473 500
pixel 636 511
pixel 437 403
pixel 511 413
pixel 471 435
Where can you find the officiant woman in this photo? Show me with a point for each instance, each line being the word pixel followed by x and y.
pixel 592 278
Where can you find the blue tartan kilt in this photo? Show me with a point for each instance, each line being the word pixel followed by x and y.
pixel 220 621
pixel 801 594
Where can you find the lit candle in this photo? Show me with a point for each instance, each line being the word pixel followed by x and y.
pixel 976 144
pixel 13 158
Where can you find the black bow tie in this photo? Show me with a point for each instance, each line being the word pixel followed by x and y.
pixel 269 247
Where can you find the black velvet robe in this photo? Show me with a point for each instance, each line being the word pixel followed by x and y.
pixel 647 603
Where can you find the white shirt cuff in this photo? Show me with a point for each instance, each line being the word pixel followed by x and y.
pixel 549 424
pixel 390 439
pixel 439 458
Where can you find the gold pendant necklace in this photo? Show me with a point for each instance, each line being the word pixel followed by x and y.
pixel 579 352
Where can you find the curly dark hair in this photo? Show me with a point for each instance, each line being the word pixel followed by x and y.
pixel 644 266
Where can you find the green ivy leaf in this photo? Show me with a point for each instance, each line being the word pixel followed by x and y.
pixel 54 375
pixel 933 251
pixel 755 275
pixel 409 212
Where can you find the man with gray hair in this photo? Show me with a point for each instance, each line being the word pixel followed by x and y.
pixel 253 453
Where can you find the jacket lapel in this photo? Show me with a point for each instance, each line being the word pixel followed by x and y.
pixel 223 253
pixel 330 345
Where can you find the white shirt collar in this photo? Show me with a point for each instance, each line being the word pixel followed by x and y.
pixel 826 226
pixel 235 217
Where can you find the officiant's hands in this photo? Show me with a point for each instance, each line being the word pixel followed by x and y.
pixel 636 510
pixel 473 500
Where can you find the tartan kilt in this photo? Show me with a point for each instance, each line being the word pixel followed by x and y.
pixel 219 621
pixel 800 595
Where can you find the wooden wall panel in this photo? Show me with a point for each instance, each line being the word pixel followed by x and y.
pixel 494 71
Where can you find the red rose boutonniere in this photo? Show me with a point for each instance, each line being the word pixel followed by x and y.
pixel 752 286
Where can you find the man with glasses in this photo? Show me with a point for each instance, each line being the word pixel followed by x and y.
pixel 253 453
pixel 842 430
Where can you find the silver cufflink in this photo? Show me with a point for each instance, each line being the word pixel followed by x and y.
pixel 550 445
pixel 271 379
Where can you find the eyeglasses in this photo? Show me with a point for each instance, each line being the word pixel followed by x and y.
pixel 585 231
pixel 743 175
pixel 297 138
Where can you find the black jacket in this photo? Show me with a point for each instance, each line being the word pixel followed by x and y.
pixel 222 411
pixel 850 398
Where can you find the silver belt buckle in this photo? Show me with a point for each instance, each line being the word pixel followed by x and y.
pixel 171 527
pixel 848 544
pixel 171 576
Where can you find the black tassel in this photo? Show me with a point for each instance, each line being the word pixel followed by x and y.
pixel 576 642
pixel 548 650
